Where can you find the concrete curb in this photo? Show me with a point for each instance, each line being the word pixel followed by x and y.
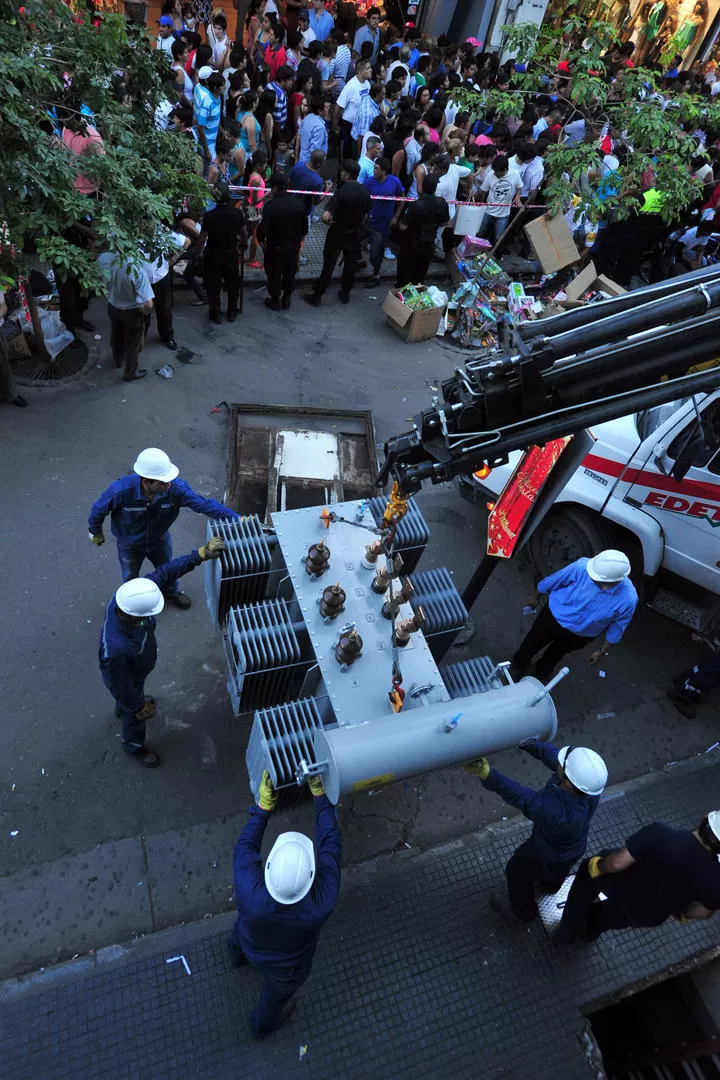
pixel 134 889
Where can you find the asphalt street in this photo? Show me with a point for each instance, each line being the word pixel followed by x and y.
pixel 65 786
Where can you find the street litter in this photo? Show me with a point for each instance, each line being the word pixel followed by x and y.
pixel 601 674
pixel 713 747
pixel 15 832
pixel 174 959
pixel 605 715
pixel 302 1051
pixel 165 372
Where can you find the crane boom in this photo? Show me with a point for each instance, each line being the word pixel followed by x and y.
pixel 560 375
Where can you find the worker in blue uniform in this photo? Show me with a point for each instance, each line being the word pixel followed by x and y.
pixel 560 813
pixel 142 507
pixel 662 872
pixel 128 650
pixel 283 907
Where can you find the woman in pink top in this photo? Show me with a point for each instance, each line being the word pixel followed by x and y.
pixel 255 200
pixel 82 139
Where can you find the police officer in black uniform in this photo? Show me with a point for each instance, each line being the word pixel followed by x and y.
pixel 347 215
pixel 283 228
pixel 418 225
pixel 225 230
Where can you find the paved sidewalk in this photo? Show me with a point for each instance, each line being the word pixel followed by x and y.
pixel 414 976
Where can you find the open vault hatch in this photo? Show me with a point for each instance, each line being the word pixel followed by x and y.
pixel 284 458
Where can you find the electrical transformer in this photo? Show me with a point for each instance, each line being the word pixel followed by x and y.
pixel 334 642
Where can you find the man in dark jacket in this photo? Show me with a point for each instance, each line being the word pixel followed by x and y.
pixel 418 225
pixel 225 230
pixel 661 872
pixel 283 908
pixel 142 508
pixel 347 215
pixel 560 813
pixel 128 650
pixel 283 228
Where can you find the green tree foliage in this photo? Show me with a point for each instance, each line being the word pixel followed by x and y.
pixel 49 59
pixel 656 129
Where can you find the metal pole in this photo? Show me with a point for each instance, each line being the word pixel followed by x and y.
pixel 479 580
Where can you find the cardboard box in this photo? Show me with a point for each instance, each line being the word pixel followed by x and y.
pixel 585 280
pixel 552 243
pixel 411 325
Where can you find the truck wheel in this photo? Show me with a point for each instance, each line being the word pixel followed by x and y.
pixel 564 535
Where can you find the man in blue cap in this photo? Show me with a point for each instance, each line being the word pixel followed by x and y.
pixel 142 507
pixel 165 37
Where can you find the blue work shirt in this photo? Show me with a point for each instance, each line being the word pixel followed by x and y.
pixel 139 521
pixel 580 605
pixel 560 818
pixel 128 653
pixel 285 935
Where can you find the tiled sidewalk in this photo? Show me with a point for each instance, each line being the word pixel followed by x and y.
pixel 414 976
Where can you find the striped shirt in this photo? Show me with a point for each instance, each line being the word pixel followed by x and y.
pixel 281 104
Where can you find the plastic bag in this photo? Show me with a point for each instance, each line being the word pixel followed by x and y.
pixel 56 335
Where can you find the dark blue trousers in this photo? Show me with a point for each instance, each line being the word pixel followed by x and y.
pixel 279 985
pixel 132 558
pixel 526 871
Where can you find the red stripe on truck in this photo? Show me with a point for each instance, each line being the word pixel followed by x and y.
pixel 646 478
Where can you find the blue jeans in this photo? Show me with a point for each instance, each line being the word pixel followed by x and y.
pixel 492 228
pixel 159 553
pixel 279 985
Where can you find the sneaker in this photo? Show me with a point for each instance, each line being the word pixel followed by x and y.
pixel 171 343
pixel 180 600
pixel 145 757
pixel 139 374
pixel 389 254
pixel 312 298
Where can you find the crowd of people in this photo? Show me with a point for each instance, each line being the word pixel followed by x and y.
pixel 309 117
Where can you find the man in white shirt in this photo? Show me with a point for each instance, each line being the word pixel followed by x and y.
pixel 501 190
pixel 348 104
pixel 449 176
pixel 165 37
pixel 160 277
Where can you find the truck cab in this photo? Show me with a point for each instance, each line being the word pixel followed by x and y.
pixel 650 485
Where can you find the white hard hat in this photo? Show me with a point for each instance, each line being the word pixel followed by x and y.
pixel 583 768
pixel 609 566
pixel 714 823
pixel 290 867
pixel 140 597
pixel 154 464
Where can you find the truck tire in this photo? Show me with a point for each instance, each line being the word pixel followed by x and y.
pixel 566 534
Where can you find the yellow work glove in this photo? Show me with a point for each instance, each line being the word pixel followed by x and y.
pixel 316 785
pixel 480 768
pixel 147 712
pixel 594 866
pixel 267 796
pixel 212 549
pixel 96 538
